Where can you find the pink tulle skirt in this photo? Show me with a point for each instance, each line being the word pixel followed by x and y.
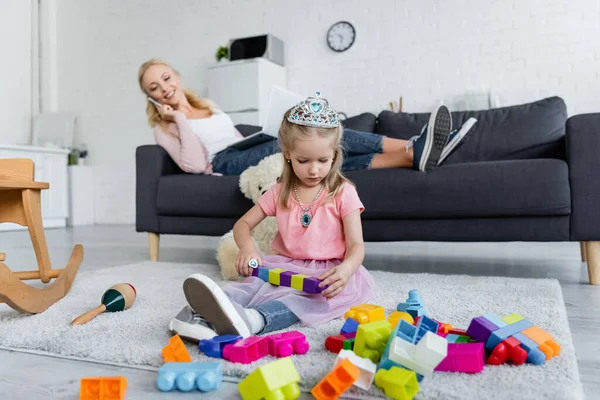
pixel 311 309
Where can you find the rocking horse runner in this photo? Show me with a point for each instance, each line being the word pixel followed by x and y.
pixel 20 204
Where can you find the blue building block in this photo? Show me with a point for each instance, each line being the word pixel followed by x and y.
pixel 349 326
pixel 423 325
pixel 263 273
pixel 214 347
pixel 509 330
pixel 413 305
pixel 496 320
pixel 405 330
pixel 534 355
pixel 186 376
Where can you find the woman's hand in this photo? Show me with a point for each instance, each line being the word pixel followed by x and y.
pixel 243 257
pixel 337 278
pixel 166 112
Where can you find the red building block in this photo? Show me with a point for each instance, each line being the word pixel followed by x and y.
pixel 246 351
pixel 344 341
pixel 287 343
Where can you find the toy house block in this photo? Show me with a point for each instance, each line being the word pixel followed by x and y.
pixel 500 334
pixel 365 313
pixel 371 339
pixel 176 351
pixel 463 357
pixel 397 383
pixel 396 316
pixel 103 388
pixel 344 341
pixel 287 343
pixel 274 276
pixel 413 305
pixel 276 380
pixel 247 350
pixel 366 367
pixel 334 384
pixel 203 376
pixel 350 325
pixel 545 341
pixel 214 347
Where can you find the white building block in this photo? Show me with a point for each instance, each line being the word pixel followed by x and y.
pixel 431 350
pixel 367 368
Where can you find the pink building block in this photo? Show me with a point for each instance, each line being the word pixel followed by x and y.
pixel 463 357
pixel 287 343
pixel 247 350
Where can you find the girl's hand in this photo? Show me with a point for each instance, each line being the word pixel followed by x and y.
pixel 243 257
pixel 337 278
pixel 166 112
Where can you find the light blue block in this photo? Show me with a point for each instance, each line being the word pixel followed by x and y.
pixel 405 331
pixel 186 376
pixel 534 355
pixel 451 338
pixel 496 320
pixel 263 273
pixel 526 343
pixel 500 334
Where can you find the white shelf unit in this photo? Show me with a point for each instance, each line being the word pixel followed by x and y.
pixel 51 167
pixel 241 88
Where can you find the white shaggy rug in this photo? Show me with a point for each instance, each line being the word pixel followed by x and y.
pixel 135 337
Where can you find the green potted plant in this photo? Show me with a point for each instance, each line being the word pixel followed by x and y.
pixel 222 53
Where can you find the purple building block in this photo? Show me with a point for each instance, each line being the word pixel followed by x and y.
pixel 480 329
pixel 311 285
pixel 214 347
pixel 285 278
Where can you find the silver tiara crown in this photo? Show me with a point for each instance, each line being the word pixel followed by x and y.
pixel 315 111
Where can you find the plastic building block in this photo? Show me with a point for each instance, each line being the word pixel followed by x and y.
pixel 214 347
pixel 176 351
pixel 463 357
pixel 457 331
pixel 534 355
pixel 413 304
pixel 281 277
pixel 334 384
pixel 453 338
pixel 512 318
pixel 371 339
pixel 545 341
pixel 421 357
pixel 481 328
pixel 247 350
pixel 365 313
pixel 366 367
pixel 397 383
pixel 516 354
pixel 276 380
pixel 103 388
pixel 203 376
pixel 500 334
pixel 287 343
pixel 344 341
pixel 396 316
pixel 350 325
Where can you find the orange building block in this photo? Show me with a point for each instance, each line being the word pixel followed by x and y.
pixel 365 313
pixel 103 388
pixel 337 381
pixel 176 351
pixel 545 341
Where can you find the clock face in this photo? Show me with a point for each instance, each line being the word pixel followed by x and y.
pixel 340 36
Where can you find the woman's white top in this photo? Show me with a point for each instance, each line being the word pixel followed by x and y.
pixel 216 132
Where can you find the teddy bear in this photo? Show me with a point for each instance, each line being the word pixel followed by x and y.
pixel 254 182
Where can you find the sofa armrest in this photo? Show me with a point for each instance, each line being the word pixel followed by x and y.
pixel 151 162
pixel 583 156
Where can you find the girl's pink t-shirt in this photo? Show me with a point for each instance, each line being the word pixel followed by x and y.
pixel 324 238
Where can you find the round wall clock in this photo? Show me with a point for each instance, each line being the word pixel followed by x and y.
pixel 341 35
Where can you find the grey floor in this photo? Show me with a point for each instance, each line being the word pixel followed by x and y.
pixel 32 377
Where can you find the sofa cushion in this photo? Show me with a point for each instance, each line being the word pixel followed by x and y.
pixel 471 190
pixel 201 196
pixel 364 122
pixel 533 130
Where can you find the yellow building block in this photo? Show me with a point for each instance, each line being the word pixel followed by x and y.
pixel 512 318
pixel 365 313
pixel 397 383
pixel 396 316
pixel 371 339
pixel 274 275
pixel 277 380
pixel 298 281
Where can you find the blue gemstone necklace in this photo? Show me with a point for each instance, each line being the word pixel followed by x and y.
pixel 306 218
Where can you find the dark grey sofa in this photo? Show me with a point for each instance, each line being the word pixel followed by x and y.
pixel 525 173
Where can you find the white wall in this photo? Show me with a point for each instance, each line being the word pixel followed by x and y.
pixel 423 50
pixel 15 71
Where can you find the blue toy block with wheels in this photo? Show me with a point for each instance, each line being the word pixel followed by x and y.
pixel 186 376
pixel 214 347
pixel 349 326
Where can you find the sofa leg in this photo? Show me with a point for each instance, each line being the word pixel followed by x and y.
pixel 154 244
pixel 583 251
pixel 592 252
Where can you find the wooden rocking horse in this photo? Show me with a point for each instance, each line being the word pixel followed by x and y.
pixel 20 203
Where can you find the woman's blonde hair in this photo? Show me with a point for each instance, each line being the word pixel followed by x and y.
pixel 195 101
pixel 288 134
